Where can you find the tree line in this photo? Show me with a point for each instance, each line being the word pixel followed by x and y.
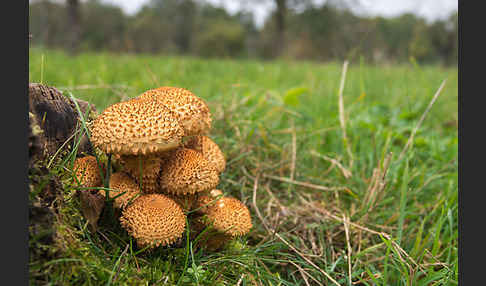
pixel 295 30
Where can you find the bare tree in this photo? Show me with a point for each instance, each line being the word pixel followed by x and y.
pixel 282 7
pixel 280 23
pixel 74 25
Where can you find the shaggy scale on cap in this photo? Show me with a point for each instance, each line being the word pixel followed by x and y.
pixel 192 112
pixel 87 171
pixel 136 127
pixel 210 239
pixel 185 171
pixel 146 168
pixel 122 183
pixel 209 149
pixel 154 220
pixel 205 199
pixel 229 215
pixel 185 202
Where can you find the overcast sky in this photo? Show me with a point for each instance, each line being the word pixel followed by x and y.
pixel 429 9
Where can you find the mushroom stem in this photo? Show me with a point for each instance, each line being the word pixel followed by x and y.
pixel 109 201
pixel 108 173
pixel 140 169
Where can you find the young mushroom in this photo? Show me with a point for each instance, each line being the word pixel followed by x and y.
pixel 204 199
pixel 185 171
pixel 153 220
pixel 87 172
pixel 186 202
pixel 227 216
pixel 144 169
pixel 124 189
pixel 209 149
pixel 210 239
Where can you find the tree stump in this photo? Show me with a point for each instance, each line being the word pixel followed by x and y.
pixel 53 123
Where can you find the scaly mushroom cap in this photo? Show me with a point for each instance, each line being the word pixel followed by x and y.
pixel 136 127
pixel 230 216
pixel 211 239
pixel 204 199
pixel 122 183
pixel 185 171
pixel 209 149
pixel 145 168
pixel 185 202
pixel 153 220
pixel 87 172
pixel 192 112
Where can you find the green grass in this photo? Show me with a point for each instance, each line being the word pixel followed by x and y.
pixel 403 233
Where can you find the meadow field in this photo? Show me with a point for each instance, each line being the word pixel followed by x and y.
pixel 336 194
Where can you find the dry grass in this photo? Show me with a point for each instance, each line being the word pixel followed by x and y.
pixel 326 212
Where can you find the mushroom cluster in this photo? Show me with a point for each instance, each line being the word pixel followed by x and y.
pixel 169 171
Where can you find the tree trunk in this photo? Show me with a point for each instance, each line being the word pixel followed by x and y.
pixel 280 18
pixel 73 15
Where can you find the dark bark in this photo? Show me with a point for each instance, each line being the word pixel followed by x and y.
pixel 53 120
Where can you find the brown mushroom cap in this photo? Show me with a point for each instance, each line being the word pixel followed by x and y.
pixel 209 149
pixel 153 220
pixel 185 171
pixel 211 239
pixel 192 112
pixel 186 202
pixel 136 127
pixel 204 199
pixel 87 171
pixel 122 183
pixel 230 216
pixel 145 168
